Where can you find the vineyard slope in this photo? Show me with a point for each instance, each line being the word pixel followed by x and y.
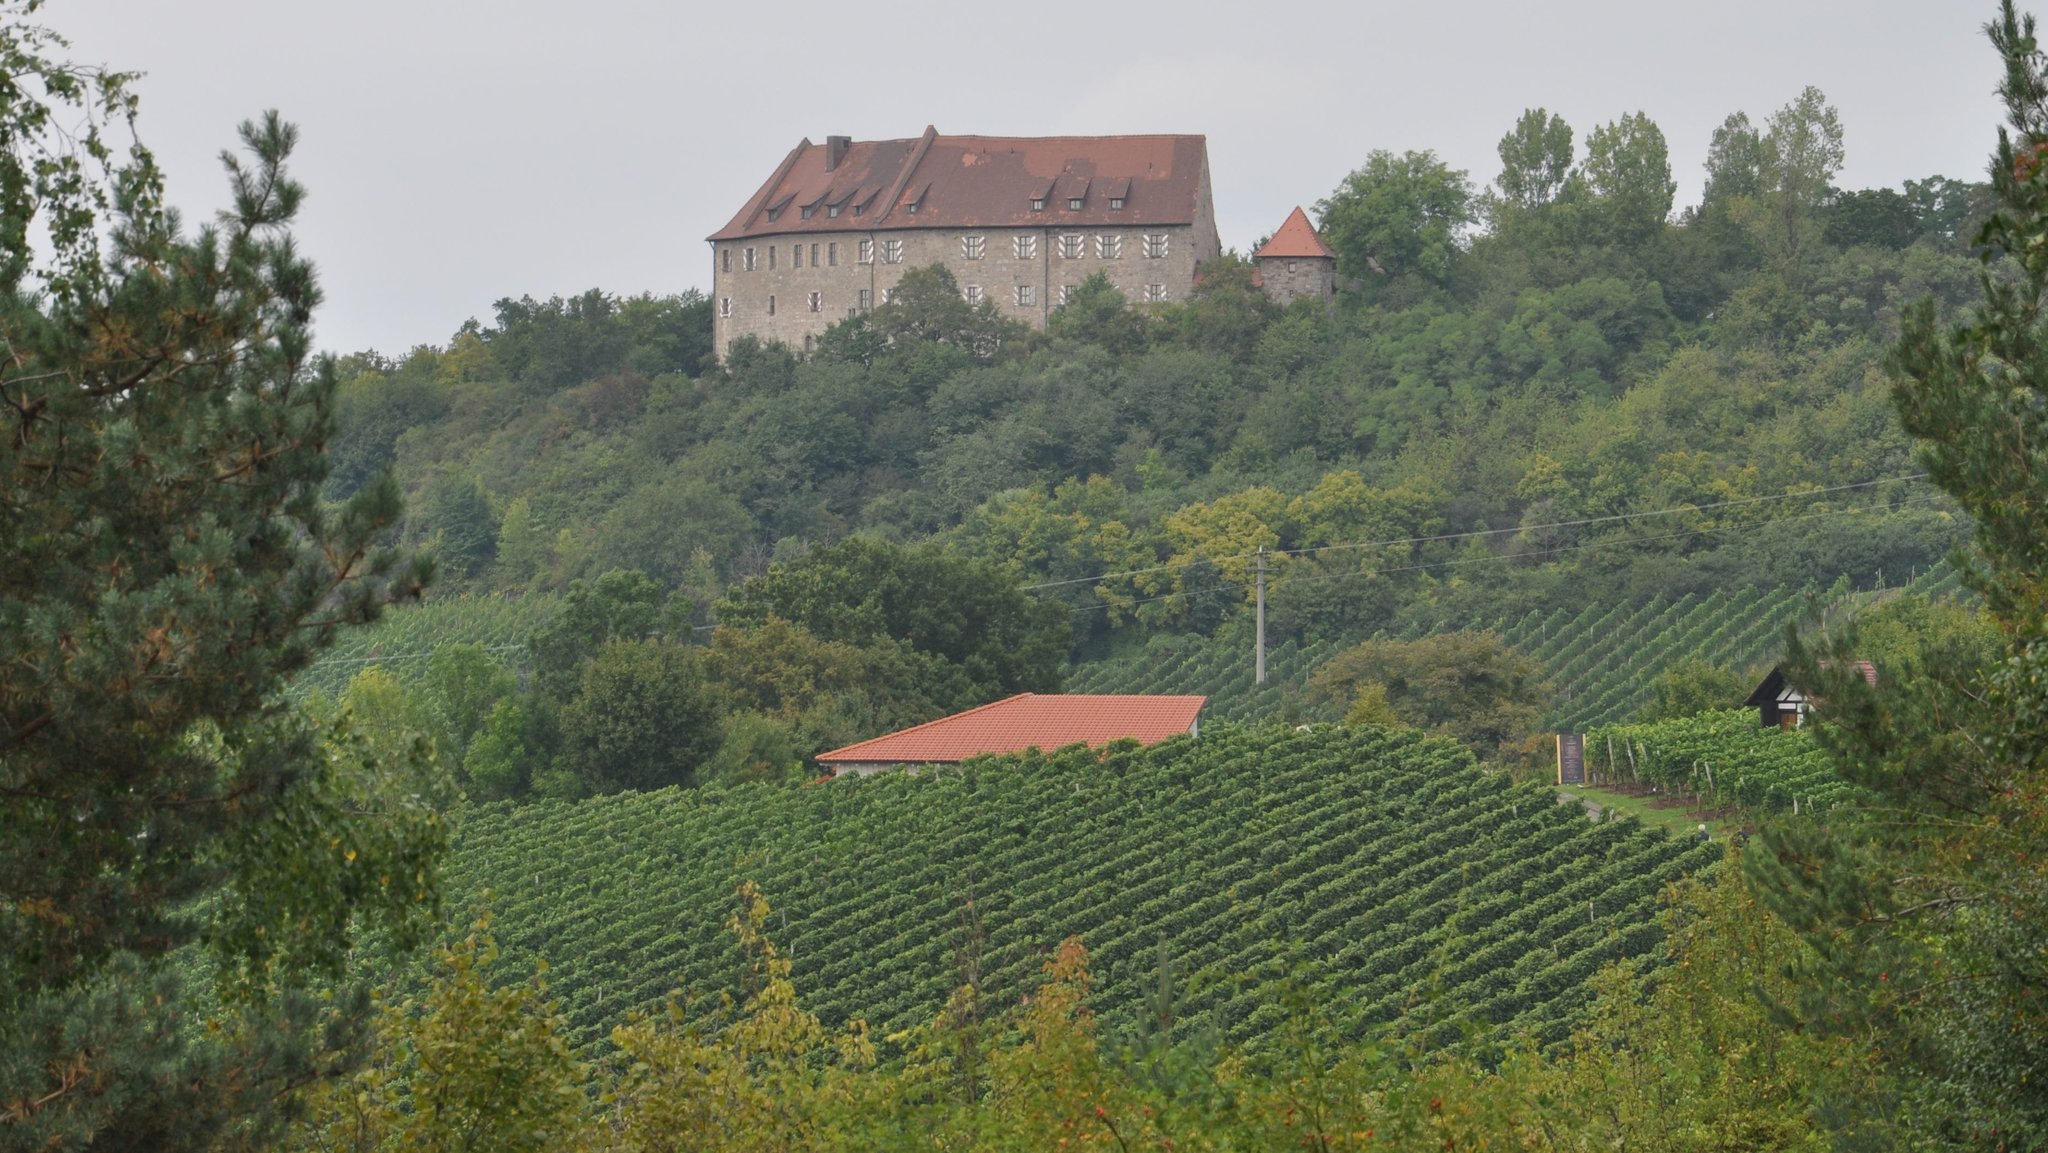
pixel 1383 862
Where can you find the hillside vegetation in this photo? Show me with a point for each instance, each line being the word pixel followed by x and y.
pixel 1384 868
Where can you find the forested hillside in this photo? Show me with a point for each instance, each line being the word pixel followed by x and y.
pixel 1513 360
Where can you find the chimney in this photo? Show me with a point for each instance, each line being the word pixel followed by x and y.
pixel 835 150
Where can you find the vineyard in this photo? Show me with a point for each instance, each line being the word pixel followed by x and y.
pixel 1725 757
pixel 406 637
pixel 1383 863
pixel 1600 659
pixel 1218 667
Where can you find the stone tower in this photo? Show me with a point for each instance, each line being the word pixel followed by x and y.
pixel 1296 263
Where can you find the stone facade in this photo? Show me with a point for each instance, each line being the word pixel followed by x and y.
pixel 1296 263
pixel 1289 278
pixel 1041 216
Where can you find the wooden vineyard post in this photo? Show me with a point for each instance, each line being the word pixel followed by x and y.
pixel 1259 661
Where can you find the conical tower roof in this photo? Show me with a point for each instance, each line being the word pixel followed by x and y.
pixel 1296 240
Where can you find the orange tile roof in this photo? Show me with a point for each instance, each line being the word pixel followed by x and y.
pixel 1027 720
pixel 1296 240
pixel 981 182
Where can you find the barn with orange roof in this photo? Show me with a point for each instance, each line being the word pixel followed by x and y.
pixel 1043 721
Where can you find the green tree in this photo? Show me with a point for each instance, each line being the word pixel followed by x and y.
pixel 498 764
pixel 644 716
pixel 1691 687
pixel 1474 687
pixel 1535 160
pixel 1402 215
pixel 1097 313
pixel 166 565
pixel 1802 152
pixel 464 526
pixel 468 1065
pixel 1628 173
pixel 927 308
pixel 461 686
pixel 620 605
pixel 1735 162
pixel 964 615
pixel 1929 915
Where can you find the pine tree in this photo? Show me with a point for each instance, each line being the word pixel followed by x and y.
pixel 1929 909
pixel 165 565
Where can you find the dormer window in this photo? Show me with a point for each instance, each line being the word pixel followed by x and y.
pixel 1073 204
pixel 1116 203
pixel 831 210
pixel 1038 204
pixel 856 210
pixel 805 212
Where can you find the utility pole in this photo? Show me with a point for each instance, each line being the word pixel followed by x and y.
pixel 1259 665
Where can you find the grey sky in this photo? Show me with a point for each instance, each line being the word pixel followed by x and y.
pixel 458 151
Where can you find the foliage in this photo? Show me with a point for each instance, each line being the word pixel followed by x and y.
pixel 1726 757
pixel 959 616
pixel 1928 919
pixel 466 1065
pixel 1694 686
pixel 1473 687
pixel 168 566
pixel 1399 216
pixel 644 716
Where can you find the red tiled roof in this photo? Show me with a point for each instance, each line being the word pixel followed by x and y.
pixel 1028 720
pixel 1296 240
pixel 981 182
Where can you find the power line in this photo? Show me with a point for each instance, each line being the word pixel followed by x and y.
pixel 1475 534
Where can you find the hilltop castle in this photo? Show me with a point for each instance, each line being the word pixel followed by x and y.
pixel 1019 221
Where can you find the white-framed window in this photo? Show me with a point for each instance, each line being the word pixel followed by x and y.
pixel 1027 248
pixel 1066 293
pixel 973 293
pixel 1116 203
pixel 1109 246
pixel 971 247
pixel 1027 296
pixel 814 256
pixel 747 260
pixel 892 252
pixel 866 301
pixel 831 210
pixel 817 302
pixel 1155 245
pixel 725 306
pixel 805 212
pixel 796 256
pixel 1073 204
pixel 1155 293
pixel 867 252
pixel 725 260
pixel 1038 204
pixel 1073 246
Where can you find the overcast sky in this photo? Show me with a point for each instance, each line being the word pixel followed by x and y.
pixel 459 151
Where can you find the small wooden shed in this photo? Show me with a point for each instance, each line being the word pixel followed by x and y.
pixel 1781 706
